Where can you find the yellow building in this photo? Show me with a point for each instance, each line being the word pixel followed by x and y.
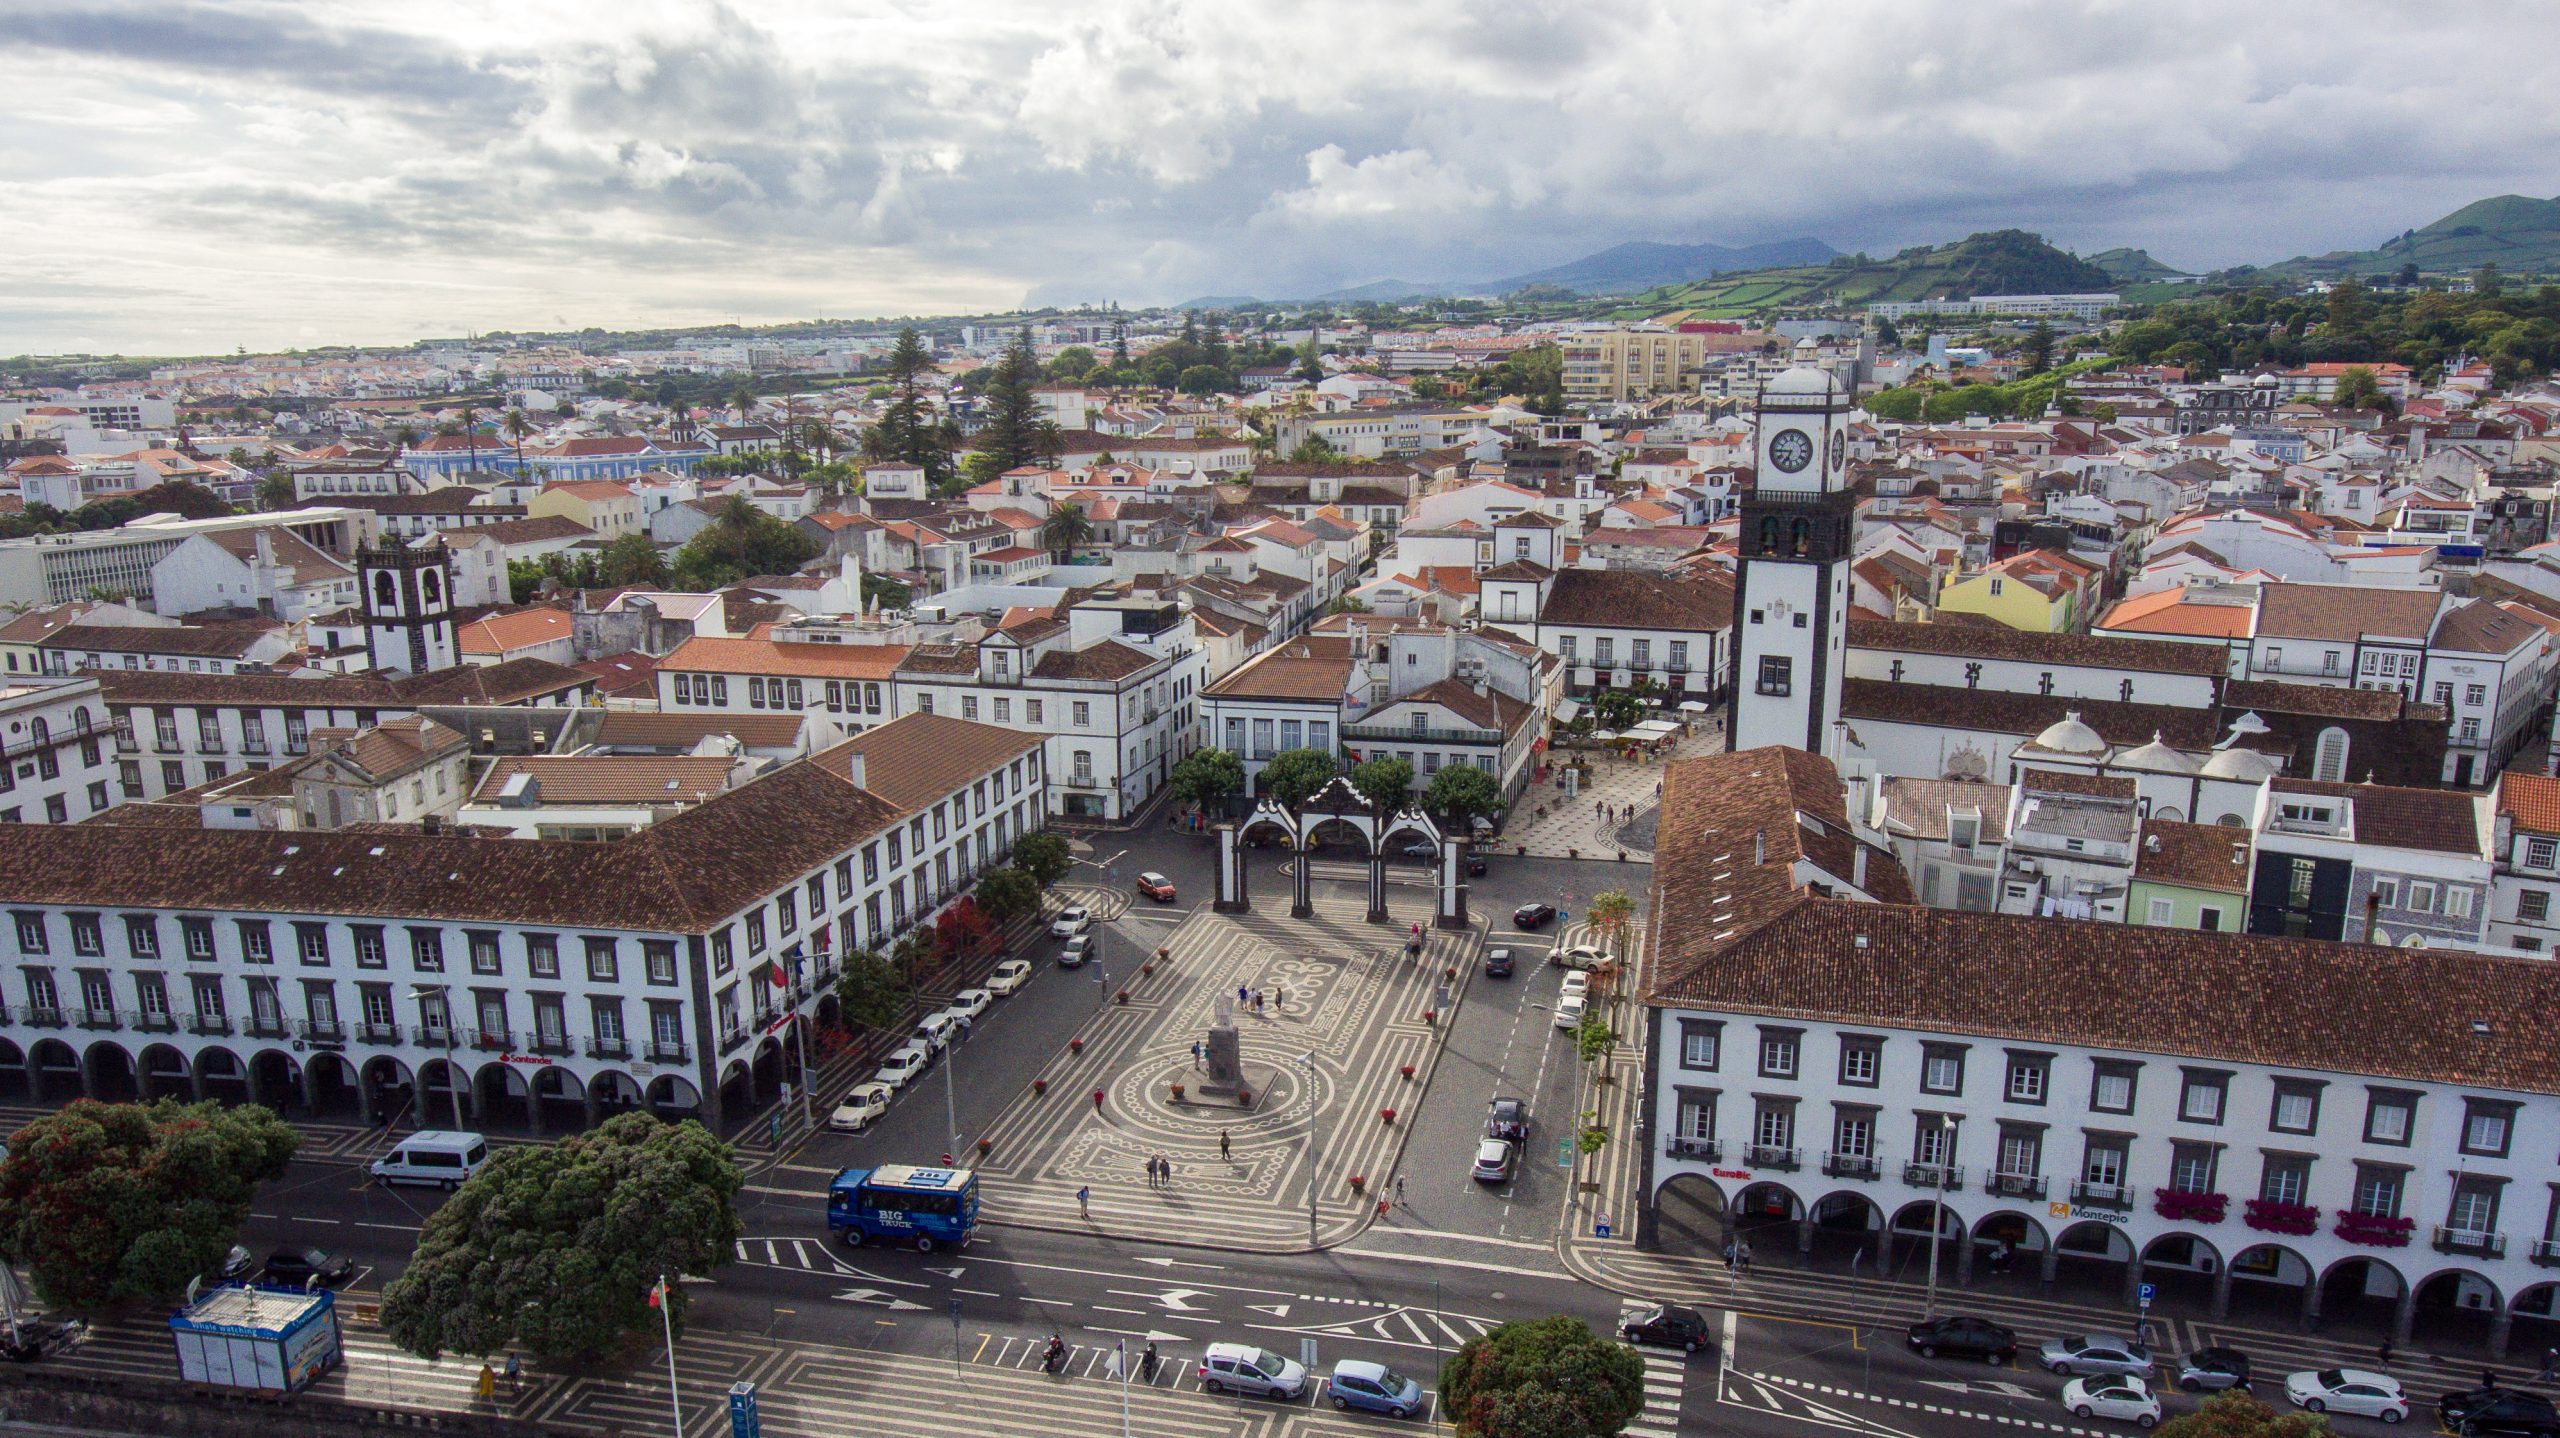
pixel 609 509
pixel 1629 362
pixel 2036 591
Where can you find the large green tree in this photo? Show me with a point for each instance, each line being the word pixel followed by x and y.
pixel 743 542
pixel 631 559
pixel 107 1202
pixel 871 991
pixel 1542 1378
pixel 1044 857
pixel 1007 893
pixel 556 1247
pixel 1461 792
pixel 1206 777
pixel 1015 434
pixel 1386 781
pixel 1292 776
pixel 908 429
pixel 1064 529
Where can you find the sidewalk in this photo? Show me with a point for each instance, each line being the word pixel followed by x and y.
pixel 1628 790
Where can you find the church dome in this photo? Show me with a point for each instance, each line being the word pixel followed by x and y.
pixel 2156 757
pixel 2246 766
pixel 1803 381
pixel 2071 737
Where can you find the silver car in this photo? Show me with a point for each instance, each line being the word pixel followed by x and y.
pixel 2093 1353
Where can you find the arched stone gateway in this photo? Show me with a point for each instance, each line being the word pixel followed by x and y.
pixel 221 1076
pixel 1690 1217
pixel 1845 1224
pixel 672 1097
pixel 107 1072
pixel 275 1080
pixel 2459 1307
pixel 2362 1289
pixel 559 1101
pixel 501 1097
pixel 1339 809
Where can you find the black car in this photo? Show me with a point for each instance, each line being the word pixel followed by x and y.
pixel 2503 1412
pixel 1964 1338
pixel 1475 864
pixel 1669 1326
pixel 1530 916
pixel 2213 1369
pixel 1507 1118
pixel 298 1266
pixel 1497 963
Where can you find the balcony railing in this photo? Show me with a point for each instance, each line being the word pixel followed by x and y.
pixel 2546 1252
pixel 260 1028
pixel 434 1036
pixel 2113 1196
pixel 2470 1240
pixel 374 1033
pixel 1933 1175
pixel 1393 733
pixel 163 1022
pixel 667 1051
pixel 323 1031
pixel 1850 1165
pixel 604 1048
pixel 1763 1155
pixel 100 1019
pixel 496 1041
pixel 42 1016
pixel 1702 1150
pixel 2014 1185
pixel 208 1023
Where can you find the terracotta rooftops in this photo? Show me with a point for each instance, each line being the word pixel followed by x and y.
pixel 2194 856
pixel 799 660
pixel 2139 655
pixel 636 729
pixel 1630 599
pixel 610 778
pixel 2346 612
pixel 915 760
pixel 390 749
pixel 1313 669
pixel 228 641
pixel 2447 821
pixel 2532 800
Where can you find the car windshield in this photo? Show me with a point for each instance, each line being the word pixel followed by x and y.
pixel 1392 1381
pixel 2331 1378
pixel 1269 1365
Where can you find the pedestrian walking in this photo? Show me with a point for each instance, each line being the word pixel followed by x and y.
pixel 1399 1188
pixel 488 1382
pixel 1084 1201
pixel 515 1373
pixel 1147 1362
pixel 1151 1171
pixel 2384 1353
pixel 1097 1100
pixel 1222 1143
pixel 1164 1169
pixel 1730 1255
pixel 1657 788
pixel 1742 1257
pixel 1242 993
pixel 2550 1366
pixel 1195 1053
pixel 1257 1003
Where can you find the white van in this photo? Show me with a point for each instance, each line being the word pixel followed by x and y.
pixel 433 1156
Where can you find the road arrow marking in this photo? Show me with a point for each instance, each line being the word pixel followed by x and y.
pixel 1178 1263
pixel 875 1296
pixel 948 1272
pixel 1176 1299
pixel 1276 1310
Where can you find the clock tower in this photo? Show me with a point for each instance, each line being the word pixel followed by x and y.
pixel 1791 617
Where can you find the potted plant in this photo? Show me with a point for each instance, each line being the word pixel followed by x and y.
pixel 1406 1071
pixel 2372 1230
pixel 1386 1115
pixel 2273 1217
pixel 1177 1093
pixel 985 1146
pixel 1124 996
pixel 1148 968
pixel 1430 1016
pixel 1075 1046
pixel 1039 1087
pixel 1244 1096
pixel 1359 1182
pixel 1449 972
pixel 2180 1205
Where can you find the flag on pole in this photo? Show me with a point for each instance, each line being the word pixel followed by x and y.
pixel 774 974
pixel 658 1294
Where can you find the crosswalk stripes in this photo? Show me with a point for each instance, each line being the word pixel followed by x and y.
pixel 1666 1374
pixel 812 1255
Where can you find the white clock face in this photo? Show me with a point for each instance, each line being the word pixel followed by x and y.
pixel 1791 450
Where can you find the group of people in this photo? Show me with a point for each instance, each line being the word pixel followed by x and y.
pixel 1159 1170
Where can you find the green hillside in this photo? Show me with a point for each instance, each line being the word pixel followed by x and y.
pixel 2131 266
pixel 1998 262
pixel 2519 234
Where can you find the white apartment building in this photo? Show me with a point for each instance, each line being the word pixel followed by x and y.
pixel 2327 1126
pixel 54 767
pixel 59 568
pixel 387 975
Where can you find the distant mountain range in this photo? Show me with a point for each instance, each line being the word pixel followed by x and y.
pixel 1618 270
pixel 2133 267
pixel 2519 234
pixel 1997 262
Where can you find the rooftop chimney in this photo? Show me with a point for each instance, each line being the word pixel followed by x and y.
pixel 854 769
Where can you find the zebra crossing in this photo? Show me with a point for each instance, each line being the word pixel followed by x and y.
pixel 1666 1376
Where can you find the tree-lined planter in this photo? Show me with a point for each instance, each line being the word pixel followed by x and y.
pixel 1386 1115
pixel 1405 1071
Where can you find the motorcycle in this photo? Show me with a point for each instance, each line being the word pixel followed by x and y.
pixel 1055 1358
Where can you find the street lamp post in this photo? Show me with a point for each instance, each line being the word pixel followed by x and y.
pixel 1315 1149
pixel 1938 1207
pixel 451 1085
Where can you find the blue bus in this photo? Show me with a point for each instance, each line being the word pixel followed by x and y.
pixel 903 1203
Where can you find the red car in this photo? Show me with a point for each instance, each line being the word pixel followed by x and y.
pixel 1156 887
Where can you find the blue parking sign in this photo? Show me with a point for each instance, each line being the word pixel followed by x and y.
pixel 2146 1293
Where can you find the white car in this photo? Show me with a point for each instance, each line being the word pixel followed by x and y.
pixel 1077 950
pixel 2347 1390
pixel 1580 956
pixel 937 1031
pixel 905 1064
pixel 1577 985
pixel 865 1103
pixel 1009 976
pixel 1569 1012
pixel 967 1004
pixel 1071 921
pixel 2118 1396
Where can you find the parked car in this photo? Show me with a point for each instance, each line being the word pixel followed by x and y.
pixel 1075 952
pixel 1569 1011
pixel 937 1031
pixel 1071 921
pixel 1507 1118
pixel 1496 1161
pixel 1961 1337
pixel 1576 985
pixel 2094 1353
pixel 1421 851
pixel 1580 956
pixel 967 1004
pixel 236 1266
pixel 2498 1413
pixel 1156 886
pixel 1475 864
pixel 2209 1369
pixel 2120 1396
pixel 1009 976
pixel 863 1104
pixel 2347 1390
pixel 1668 1326
pixel 1497 963
pixel 1243 1368
pixel 296 1264
pixel 1374 1388
pixel 1531 916
pixel 900 1067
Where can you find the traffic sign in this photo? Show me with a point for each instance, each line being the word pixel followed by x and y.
pixel 1564 1153
pixel 2146 1293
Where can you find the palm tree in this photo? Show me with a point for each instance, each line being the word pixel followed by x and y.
pixel 742 399
pixel 471 433
pixel 1064 529
pixel 517 425
pixel 403 435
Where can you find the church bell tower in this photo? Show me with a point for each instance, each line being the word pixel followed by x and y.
pixel 1798 523
pixel 408 605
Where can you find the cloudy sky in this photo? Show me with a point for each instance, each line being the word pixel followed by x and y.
pixel 187 178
